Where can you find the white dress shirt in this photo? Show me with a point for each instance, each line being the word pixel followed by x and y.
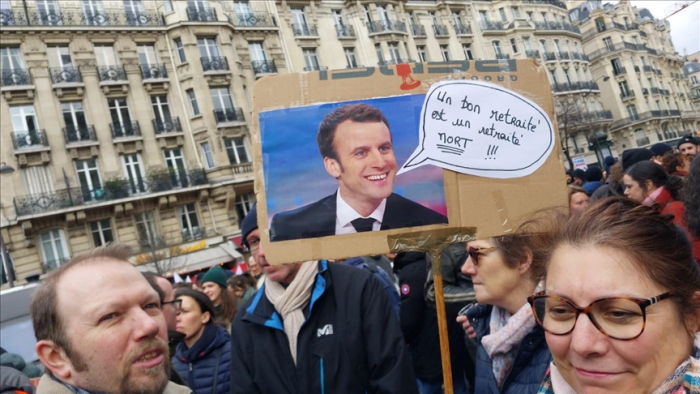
pixel 345 214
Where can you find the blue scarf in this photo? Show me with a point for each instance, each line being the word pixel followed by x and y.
pixel 198 350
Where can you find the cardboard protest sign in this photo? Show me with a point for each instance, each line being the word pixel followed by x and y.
pixel 340 156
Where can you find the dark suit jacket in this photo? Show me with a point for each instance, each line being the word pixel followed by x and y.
pixel 318 219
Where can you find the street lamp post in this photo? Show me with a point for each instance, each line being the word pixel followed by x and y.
pixel 6 169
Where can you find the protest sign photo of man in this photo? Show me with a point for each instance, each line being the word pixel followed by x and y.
pixel 356 144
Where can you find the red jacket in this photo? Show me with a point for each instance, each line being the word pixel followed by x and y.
pixel 669 206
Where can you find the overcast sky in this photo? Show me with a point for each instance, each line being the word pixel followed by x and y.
pixel 685 25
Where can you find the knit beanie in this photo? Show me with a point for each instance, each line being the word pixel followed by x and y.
pixel 631 157
pixel 593 174
pixel 215 274
pixel 659 148
pixel 249 223
pixel 580 174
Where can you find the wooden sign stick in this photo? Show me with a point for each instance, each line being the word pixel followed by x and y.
pixel 433 242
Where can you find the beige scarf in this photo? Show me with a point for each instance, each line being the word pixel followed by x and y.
pixel 290 302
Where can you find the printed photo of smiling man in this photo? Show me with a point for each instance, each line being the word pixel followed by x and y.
pixel 357 147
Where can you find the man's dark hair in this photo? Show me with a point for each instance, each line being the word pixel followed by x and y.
pixel 152 279
pixel 361 113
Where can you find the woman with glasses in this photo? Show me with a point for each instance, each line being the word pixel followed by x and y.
pixel 511 353
pixel 203 358
pixel 621 305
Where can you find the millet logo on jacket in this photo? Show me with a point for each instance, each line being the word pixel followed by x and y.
pixel 326 330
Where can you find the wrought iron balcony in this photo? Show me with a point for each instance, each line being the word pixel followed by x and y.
pixel 65 75
pixel 345 31
pixel 502 56
pixel 144 18
pixel 315 68
pixel 125 130
pixel 264 66
pixel 619 71
pixel 75 135
pixel 15 77
pixel 387 25
pixel 555 3
pixel 228 115
pixel 643 141
pixel 654 90
pixel 488 25
pixel 657 71
pixel 253 19
pixel 584 57
pixel 645 91
pixel 80 18
pixel 153 71
pixel 675 112
pixel 214 63
pixel 170 125
pixel 418 30
pixel 195 15
pixel 12 18
pixel 29 139
pixel 441 31
pixel 637 69
pixel 535 54
pixel 462 29
pixel 304 30
pixel 564 56
pixel 575 56
pixel 665 92
pixel 627 95
pixel 550 56
pixel 111 73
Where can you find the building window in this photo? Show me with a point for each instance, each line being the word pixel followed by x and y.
pixel 502 11
pixel 632 111
pixel 617 66
pixel 422 55
pixel 208 156
pixel 37 179
pixel 193 102
pixel 237 150
pixel 54 249
pixel 311 60
pixel 105 56
pixel 445 51
pixel 74 119
pixel 624 88
pixel 176 165
pixel 208 48
pixel 24 121
pixel 513 45
pixel 180 50
pixel 394 52
pixel 350 57
pixel 89 178
pixel 121 119
pixel 243 204
pixel 608 43
pixel 497 49
pixel 189 221
pixel 467 48
pixel 516 12
pixel 223 105
pixel 134 173
pixel 101 232
pixel 147 230
pixel 257 53
pixel 380 54
pixel 161 110
pixel 46 10
pixel 147 55
pixel 11 59
pixel 168 5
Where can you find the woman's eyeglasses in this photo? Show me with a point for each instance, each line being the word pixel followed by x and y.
pixel 622 318
pixel 474 253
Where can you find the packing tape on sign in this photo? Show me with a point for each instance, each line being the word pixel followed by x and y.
pixel 502 210
pixel 430 241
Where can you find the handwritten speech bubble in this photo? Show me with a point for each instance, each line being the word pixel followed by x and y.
pixel 481 129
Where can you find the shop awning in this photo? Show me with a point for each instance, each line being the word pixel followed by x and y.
pixel 201 259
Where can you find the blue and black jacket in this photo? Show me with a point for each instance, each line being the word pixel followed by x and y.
pixel 350 342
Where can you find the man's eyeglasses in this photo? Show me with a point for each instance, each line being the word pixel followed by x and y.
pixel 253 244
pixel 474 253
pixel 622 318
pixel 177 304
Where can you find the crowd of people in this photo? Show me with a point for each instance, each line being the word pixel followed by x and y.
pixel 625 254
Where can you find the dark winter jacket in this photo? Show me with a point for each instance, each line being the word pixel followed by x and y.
pixel 418 321
pixel 531 361
pixel 350 342
pixel 381 275
pixel 591 187
pixel 609 189
pixel 206 362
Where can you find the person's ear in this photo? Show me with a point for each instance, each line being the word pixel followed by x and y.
pixel 206 316
pixel 525 264
pixel 648 185
pixel 693 321
pixel 54 359
pixel 332 167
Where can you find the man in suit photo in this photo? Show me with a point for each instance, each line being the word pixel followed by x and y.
pixel 356 145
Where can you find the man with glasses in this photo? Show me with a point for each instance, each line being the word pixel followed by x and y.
pixel 170 308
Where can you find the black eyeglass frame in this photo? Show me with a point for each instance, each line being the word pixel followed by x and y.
pixel 642 302
pixel 177 304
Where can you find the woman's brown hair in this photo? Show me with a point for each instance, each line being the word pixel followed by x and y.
pixel 228 308
pixel 657 247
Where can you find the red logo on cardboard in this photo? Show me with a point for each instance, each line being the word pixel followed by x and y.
pixel 405 289
pixel 404 71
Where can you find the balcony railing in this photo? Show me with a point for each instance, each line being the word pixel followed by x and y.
pixel 304 30
pixel 204 15
pixel 111 73
pixel 535 54
pixel 502 56
pixel 15 77
pixel 645 91
pixel 441 31
pixel 345 31
pixel 575 86
pixel 643 141
pixel 214 63
pixel 550 56
pixel 125 130
pixel 564 56
pixel 555 3
pixel 418 30
pixel 488 25
pixel 462 29
pixel 228 115
pixel 665 92
pixel 170 125
pixel 315 68
pixel 80 18
pixel 264 67
pixel 79 134
pixel 65 75
pixel 619 71
pixel 386 25
pixel 253 19
pixel 557 26
pixel 637 69
pixel 157 180
pixel 627 95
pixel 154 71
pixel 654 90
pixel 639 117
pixel 29 139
